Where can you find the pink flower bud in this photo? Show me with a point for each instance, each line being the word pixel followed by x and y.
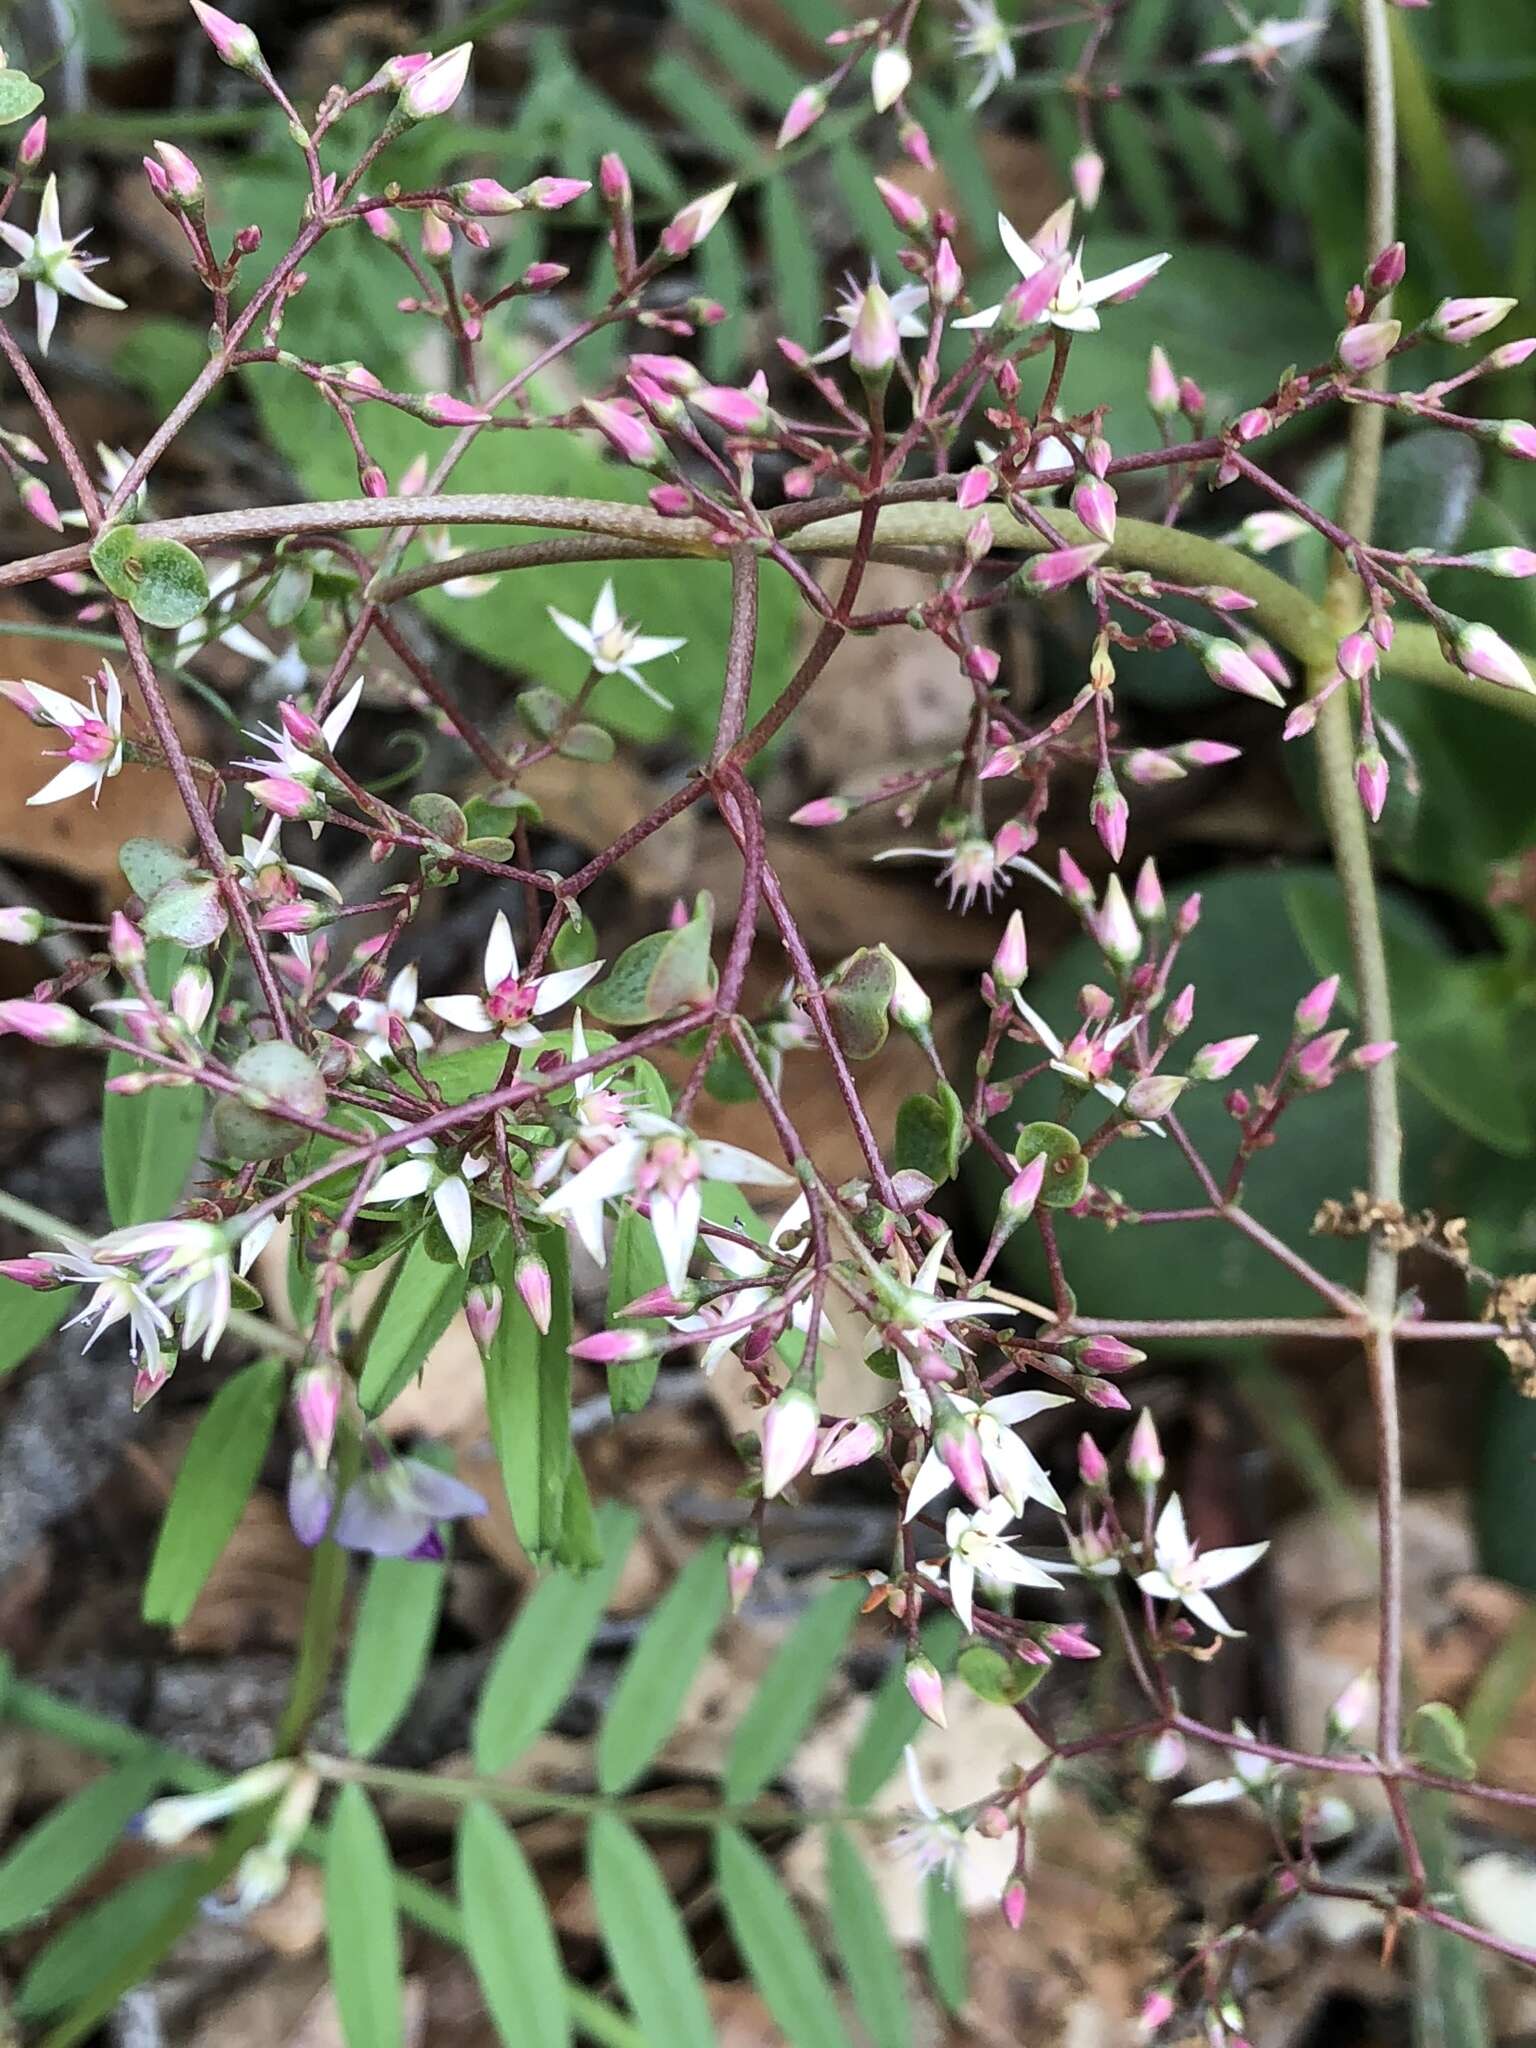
pixel 1350 1710
pixel 1367 346
pixel 482 1312
pixel 125 942
pixel 874 339
pixel 1110 815
pixel 1207 753
pixel 914 144
pixel 958 1445
pixel 443 410
pixel 485 198
pixel 789 1429
pixel 381 223
pixel 1156 2011
pixel 1144 1455
pixel 36 1271
pixel 1031 298
pixel 20 925
pixel 1180 1013
pixel 1357 656
pixel 948 277
pixel 1389 269
pixel 235 44
pixel 33 144
pixel 1067 1639
pixel 38 500
pixel 1075 885
pixel 1215 1061
pixel 1518 438
pixel 1462 320
pixel 1022 1193
pixel 735 410
pixel 1162 384
pixel 926 1688
pixel 44 1023
pixel 1481 652
pixel 1512 354
pixel 1103 1353
pixel 1088 178
pixel 1014 1903
pixel 821 810
pixel 317 1397
pixel 1254 424
pixel 631 436
pixel 1372 1055
pixel 613 1347
pixel 433 89
pixel 672 373
pixel 1229 665
pixel 1114 926
pixel 689 227
pixel 976 486
pixel 1010 963
pixel 1151 1096
pixel 1371 778
pixel 1314 1062
pixel 149 1379
pixel 1059 567
pixel 852 1441
pixel 548 195
pixel 904 207
pixel 530 1276
pixel 742 1563
pixel 184 179
pixel 1313 1011
pixel 1095 502
pixel 801 115
pixel 889 77
pixel 1151 904
pixel 1092 1465
pixel 288 798
pixel 1512 562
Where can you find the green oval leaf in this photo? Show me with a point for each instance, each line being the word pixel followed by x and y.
pixel 161 582
pixel 363 1926
pixel 391 1641
pixel 871 1960
pixel 546 1646
pixel 65 1847
pixel 1437 1740
pixel 645 1938
pixel 1000 1680
pixel 508 1935
pixel 858 1002
pixel 212 1488
pixel 149 866
pixel 929 1132
pixel 192 912
pixel 663 972
pixel 19 96
pixel 661 1667
pixel 1066 1170
pixel 776 1948
pixel 780 1710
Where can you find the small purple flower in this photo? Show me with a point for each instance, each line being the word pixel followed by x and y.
pixel 391 1510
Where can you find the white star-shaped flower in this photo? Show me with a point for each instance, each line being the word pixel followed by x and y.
pixel 424 1174
pixel 978 1550
pixel 1182 1573
pixel 613 646
pixel 95 751
pixel 372 1017
pixel 1077 298
pixel 983 33
pixel 52 268
pixel 905 301
pixel 509 1001
pixel 1011 1465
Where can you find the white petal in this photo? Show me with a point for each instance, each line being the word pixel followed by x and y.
pixel 58 709
pixel 466 1013
pixel 1005 1563
pixel 1055 232
pixel 400 1000
pixel 933 1479
pixel 605 613
pixel 50 233
pixel 1019 1474
pixel 648 647
pixel 676 1224
pixel 402 1183
pixel 1170 1539
pixel 731 1163
pixel 500 952
pixel 1159 1585
pixel 986 318
pixel 611 1173
pixel 1219 1567
pixel 1125 279
pixel 76 283
pixel 1026 261
pixel 1204 1608
pixel 72 780
pixel 962 1590
pixel 15 238
pixel 553 990
pixel 1038 1025
pixel 1219 1792
pixel 633 675
pixel 336 721
pixel 450 1198
pixel 1011 1408
pixel 579 635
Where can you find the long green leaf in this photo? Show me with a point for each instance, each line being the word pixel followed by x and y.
pixel 746 59
pixel 777 1951
pixel 63 1849
pixel 392 1639
pixel 212 1488
pixel 424 1297
pixel 780 1710
pixel 645 1938
pixel 893 1720
pixel 508 1934
pixel 98 1939
pixel 948 1950
pixel 528 1395
pixel 26 1318
pixel 363 1926
pixel 661 1667
pixel 545 1647
pixel 871 1960
pixel 149 1141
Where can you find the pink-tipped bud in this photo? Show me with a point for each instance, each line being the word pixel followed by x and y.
pixel 948 277
pixel 380 223
pixel 1215 1061
pixel 743 1561
pixel 482 1312
pixel 150 1378
pixel 232 40
pixel 1010 963
pixel 926 1688
pixel 1144 1455
pixel 34 144
pixel 1088 178
pixel 1151 904
pixel 1314 1063
pixel 958 1445
pixel 1510 562
pixel 1463 320
pixel 733 408
pixel 1022 1193
pixel 444 410
pixel 1389 269
pixel 1075 885
pixel 486 198
pixel 548 195
pixel 1157 2009
pixel 689 227
pixel 318 1392
pixel 192 997
pixel 1352 1708
pixel 531 1278
pixel 1358 656
pixel 1372 1055
pixel 1371 778
pixel 1092 1465
pixel 1162 384
pixel 904 207
pixel 1164 1757
pixel 1180 1013
pixel 44 1023
pixel 20 925
pixel 1367 346
pixel 1207 753
pixel 1481 652
pixel 1014 1903
pixel 1095 504
pixel 801 115
pixel 1104 1353
pixel 1110 815
pixel 852 1441
pixel 1060 567
pixel 433 89
pixel 670 500
pixel 625 432
pixel 125 942
pixel 1031 298
pixel 1315 1008
pixel 1514 437
pixel 613 1347
pixel 184 180
pixel 1151 1096
pixel 36 1271
pixel 288 798
pixel 1114 925
pixel 875 337
pixel 789 1430
pixel 821 810
pixel 1234 669
pixel 38 500
pixel 1511 354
